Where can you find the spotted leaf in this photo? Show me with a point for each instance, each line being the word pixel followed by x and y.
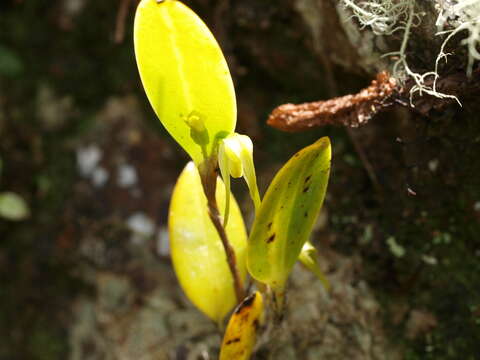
pixel 241 334
pixel 287 214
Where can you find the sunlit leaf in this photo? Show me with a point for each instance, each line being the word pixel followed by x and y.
pixel 13 207
pixel 287 214
pixel 184 74
pixel 241 333
pixel 197 252
pixel 309 258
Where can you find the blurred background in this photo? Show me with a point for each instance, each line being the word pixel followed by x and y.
pixel 86 172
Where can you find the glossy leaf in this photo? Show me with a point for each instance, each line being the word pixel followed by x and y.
pixel 184 74
pixel 309 258
pixel 287 214
pixel 241 334
pixel 197 252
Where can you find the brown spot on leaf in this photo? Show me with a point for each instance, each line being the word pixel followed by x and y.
pixel 305 189
pixel 271 238
pixel 269 226
pixel 245 304
pixel 232 341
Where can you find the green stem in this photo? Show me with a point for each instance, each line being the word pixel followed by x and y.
pixel 278 302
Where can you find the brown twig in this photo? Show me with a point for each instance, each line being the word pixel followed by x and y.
pixel 349 110
pixel 356 110
pixel 208 174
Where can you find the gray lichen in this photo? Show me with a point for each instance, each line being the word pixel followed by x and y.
pixel 458 16
pixel 383 34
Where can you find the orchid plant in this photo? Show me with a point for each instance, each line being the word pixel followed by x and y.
pixel 188 83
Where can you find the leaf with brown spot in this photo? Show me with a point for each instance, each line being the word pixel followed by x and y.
pixel 241 334
pixel 289 213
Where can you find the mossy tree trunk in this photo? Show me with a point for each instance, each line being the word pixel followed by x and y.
pixel 409 179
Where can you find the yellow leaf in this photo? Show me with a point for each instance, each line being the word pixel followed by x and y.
pixel 197 252
pixel 241 334
pixel 185 75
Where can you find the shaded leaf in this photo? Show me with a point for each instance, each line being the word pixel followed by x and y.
pixel 197 252
pixel 241 334
pixel 185 75
pixel 287 214
pixel 13 207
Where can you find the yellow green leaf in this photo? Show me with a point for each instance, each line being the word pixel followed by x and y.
pixel 287 213
pixel 196 249
pixel 185 75
pixel 241 334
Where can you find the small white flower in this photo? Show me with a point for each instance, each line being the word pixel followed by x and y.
pixel 235 158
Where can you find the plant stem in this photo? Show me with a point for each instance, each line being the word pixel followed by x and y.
pixel 208 175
